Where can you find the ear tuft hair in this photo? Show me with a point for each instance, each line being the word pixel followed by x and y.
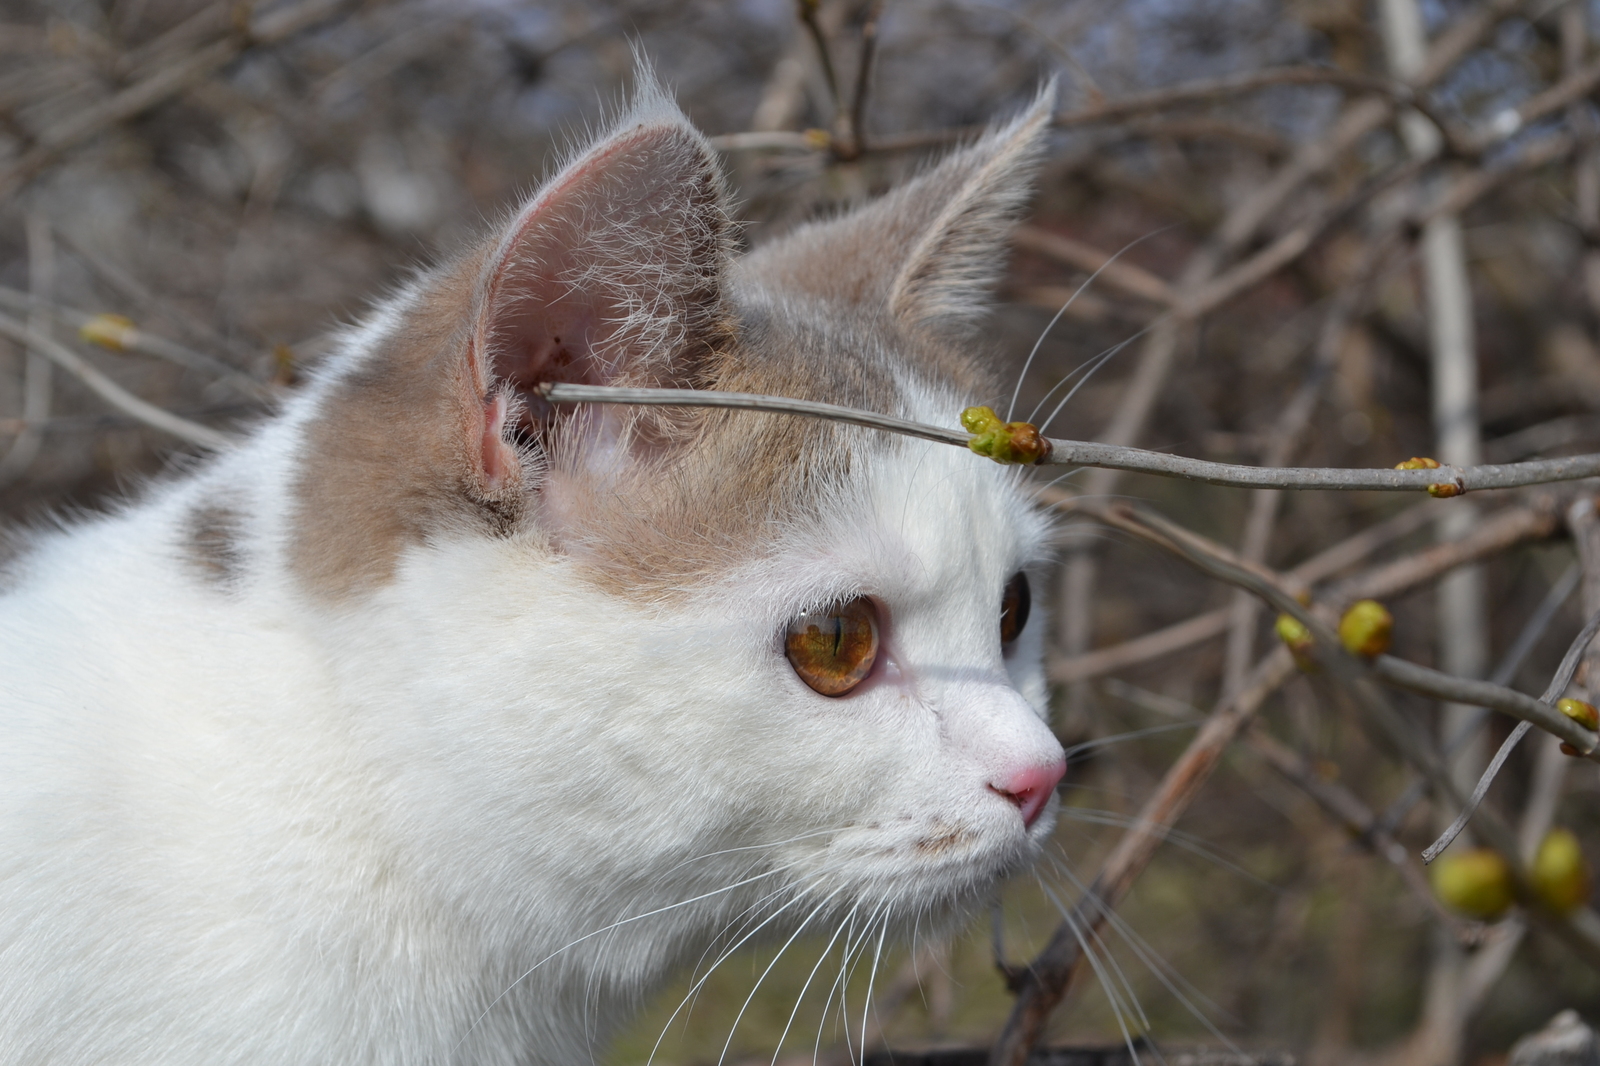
pixel 930 252
pixel 950 273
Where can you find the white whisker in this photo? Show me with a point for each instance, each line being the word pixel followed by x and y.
pixel 1105 984
pixel 1099 362
pixel 823 957
pixel 740 1016
pixel 1159 967
pixel 872 976
pixel 849 920
pixel 606 929
pixel 713 969
pixel 1079 291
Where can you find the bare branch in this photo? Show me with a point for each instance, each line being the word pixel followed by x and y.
pixel 1120 273
pixel 109 390
pixel 138 340
pixel 1115 457
pixel 1049 974
pixel 167 81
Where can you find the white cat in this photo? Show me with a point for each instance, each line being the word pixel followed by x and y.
pixel 432 724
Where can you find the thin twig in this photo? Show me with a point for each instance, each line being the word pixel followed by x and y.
pixel 807 10
pixel 1362 824
pixel 1201 627
pixel 1049 974
pixel 1122 274
pixel 854 142
pixel 1429 682
pixel 167 81
pixel 1503 674
pixel 1223 564
pixel 138 340
pixel 110 391
pixel 1111 456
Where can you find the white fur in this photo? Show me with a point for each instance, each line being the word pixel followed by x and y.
pixel 478 814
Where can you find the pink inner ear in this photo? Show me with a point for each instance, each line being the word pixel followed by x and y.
pixel 549 341
pixel 499 459
pixel 606 263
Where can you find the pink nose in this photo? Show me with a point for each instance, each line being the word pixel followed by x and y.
pixel 1030 789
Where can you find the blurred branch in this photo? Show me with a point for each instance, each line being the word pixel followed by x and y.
pixel 109 390
pixel 1219 562
pixel 1501 531
pixel 134 339
pixel 1361 823
pixel 1536 520
pixel 167 81
pixel 1121 274
pixel 807 10
pixel 1202 627
pixel 853 140
pixel 37 374
pixel 1046 978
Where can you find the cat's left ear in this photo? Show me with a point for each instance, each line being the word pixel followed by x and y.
pixel 931 252
pixel 950 271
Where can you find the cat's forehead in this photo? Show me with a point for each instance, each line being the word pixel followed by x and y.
pixel 829 504
pixel 871 512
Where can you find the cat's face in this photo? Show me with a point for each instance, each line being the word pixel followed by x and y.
pixel 654 634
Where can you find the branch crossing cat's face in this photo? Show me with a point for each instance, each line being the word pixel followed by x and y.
pixel 433 724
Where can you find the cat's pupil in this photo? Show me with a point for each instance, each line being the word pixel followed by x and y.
pixel 833 650
pixel 1015 604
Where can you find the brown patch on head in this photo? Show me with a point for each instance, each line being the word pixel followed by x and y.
pixel 618 272
pixel 717 487
pixel 388 458
pixel 211 542
pixel 611 274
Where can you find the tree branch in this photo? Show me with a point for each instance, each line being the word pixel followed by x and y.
pixel 110 391
pixel 1111 456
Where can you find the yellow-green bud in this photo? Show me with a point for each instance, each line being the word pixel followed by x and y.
pixel 1366 628
pixel 1560 875
pixel 1298 640
pixel 1582 713
pixel 109 331
pixel 1012 443
pixel 1477 882
pixel 1417 462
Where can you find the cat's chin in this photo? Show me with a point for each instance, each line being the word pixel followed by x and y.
pixel 929 868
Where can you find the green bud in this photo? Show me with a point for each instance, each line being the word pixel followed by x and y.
pixel 1582 713
pixel 1298 640
pixel 1011 443
pixel 1560 875
pixel 1477 882
pixel 1366 628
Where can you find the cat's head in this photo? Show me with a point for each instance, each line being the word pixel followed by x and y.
pixel 691 629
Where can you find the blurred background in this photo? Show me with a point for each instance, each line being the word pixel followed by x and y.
pixel 1321 233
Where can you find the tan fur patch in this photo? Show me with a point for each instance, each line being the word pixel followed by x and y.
pixel 211 542
pixel 667 497
pixel 387 459
pixel 938 845
pixel 727 481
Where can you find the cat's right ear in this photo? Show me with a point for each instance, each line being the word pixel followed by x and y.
pixel 613 273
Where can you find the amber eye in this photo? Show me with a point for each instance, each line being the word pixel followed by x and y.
pixel 1014 607
pixel 833 650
